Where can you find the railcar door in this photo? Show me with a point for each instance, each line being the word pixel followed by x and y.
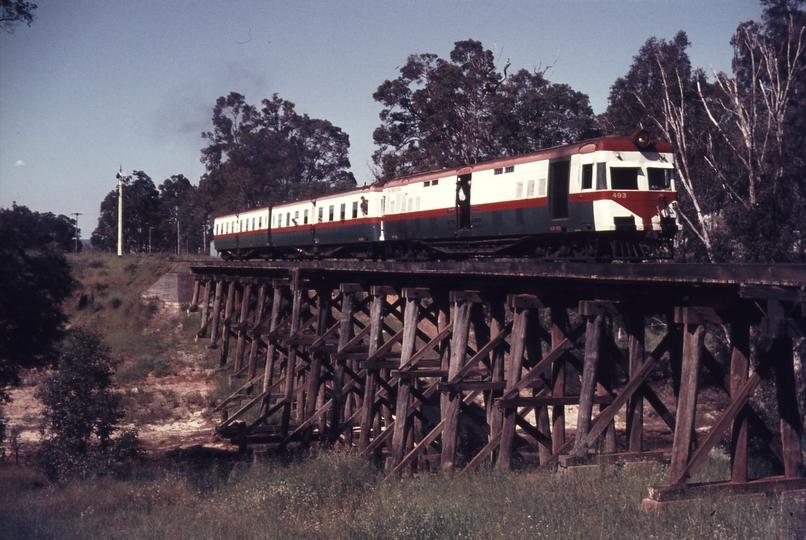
pixel 268 227
pixel 559 174
pixel 383 221
pixel 463 202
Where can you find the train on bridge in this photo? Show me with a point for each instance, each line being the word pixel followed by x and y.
pixel 608 198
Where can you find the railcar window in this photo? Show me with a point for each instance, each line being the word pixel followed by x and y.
pixel 530 188
pixel 498 171
pixel 355 209
pixel 587 176
pixel 541 187
pixel 260 222
pixel 624 177
pixel 510 169
pixel 343 209
pixel 330 213
pixel 519 190
pixel 321 214
pixel 434 182
pixel 601 176
pixel 426 183
pixel 660 178
pixel 288 219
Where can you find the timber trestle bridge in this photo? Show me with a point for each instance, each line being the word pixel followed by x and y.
pixel 453 365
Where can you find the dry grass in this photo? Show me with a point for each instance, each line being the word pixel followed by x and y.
pixel 336 495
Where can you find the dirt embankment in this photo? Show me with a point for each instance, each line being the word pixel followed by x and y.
pixel 165 380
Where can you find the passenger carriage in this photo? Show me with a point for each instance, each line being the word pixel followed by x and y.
pixel 343 224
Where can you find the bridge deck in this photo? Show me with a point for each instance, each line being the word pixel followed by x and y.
pixel 789 275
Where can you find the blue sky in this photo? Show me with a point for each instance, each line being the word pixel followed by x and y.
pixel 92 85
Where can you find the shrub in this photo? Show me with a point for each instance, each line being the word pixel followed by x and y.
pixel 81 410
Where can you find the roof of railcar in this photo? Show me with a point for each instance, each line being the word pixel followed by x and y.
pixel 613 143
pixel 353 191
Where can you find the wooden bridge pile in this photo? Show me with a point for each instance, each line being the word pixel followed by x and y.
pixel 449 366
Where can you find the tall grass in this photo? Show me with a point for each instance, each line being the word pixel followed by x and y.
pixel 338 495
pixel 112 286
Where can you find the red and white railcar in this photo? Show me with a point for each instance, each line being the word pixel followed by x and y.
pixel 612 197
pixel 608 197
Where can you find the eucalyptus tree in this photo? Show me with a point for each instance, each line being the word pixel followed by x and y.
pixel 448 113
pixel 259 156
pixel 141 210
pixel 756 116
pixel 659 94
pixel 14 12
pixel 180 225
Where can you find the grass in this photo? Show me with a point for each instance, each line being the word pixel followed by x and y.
pixel 112 286
pixel 339 495
pixel 139 368
pixel 334 495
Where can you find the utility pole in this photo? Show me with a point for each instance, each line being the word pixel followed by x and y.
pixel 76 225
pixel 177 231
pixel 120 176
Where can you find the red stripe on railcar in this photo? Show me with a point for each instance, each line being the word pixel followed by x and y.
pixel 347 222
pixel 489 207
pixel 644 204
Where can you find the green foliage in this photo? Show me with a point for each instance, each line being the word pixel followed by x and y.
pixel 738 137
pixel 14 12
pixel 36 280
pixel 78 399
pixel 81 409
pixel 256 157
pixel 449 113
pixel 141 210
